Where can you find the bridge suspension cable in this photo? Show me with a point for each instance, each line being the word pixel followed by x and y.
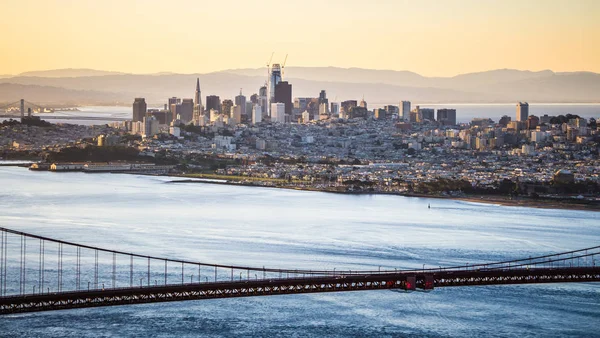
pixel 112 276
pixel 10 104
pixel 113 269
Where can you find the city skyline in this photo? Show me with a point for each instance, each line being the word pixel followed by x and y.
pixel 468 36
pixel 235 168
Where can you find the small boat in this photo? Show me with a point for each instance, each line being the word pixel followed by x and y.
pixel 428 206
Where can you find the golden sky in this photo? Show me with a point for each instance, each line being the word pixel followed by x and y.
pixel 433 38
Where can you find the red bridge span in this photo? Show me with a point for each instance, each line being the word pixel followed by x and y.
pixel 34 277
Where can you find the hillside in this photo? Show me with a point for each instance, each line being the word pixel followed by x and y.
pixel 377 86
pixel 45 94
pixel 69 72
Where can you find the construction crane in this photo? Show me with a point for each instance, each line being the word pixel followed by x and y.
pixel 283 67
pixel 269 64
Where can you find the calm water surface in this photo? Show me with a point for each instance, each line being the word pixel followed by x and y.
pixel 295 229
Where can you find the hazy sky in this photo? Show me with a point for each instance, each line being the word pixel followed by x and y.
pixel 433 38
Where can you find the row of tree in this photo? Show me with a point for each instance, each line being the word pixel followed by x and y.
pixel 96 154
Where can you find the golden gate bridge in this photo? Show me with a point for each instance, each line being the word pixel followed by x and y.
pixel 39 273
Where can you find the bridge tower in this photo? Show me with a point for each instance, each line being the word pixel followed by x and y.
pixel 22 109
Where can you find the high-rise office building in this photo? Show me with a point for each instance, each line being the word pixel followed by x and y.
pixel 532 122
pixel 240 101
pixel 186 110
pixel 236 113
pixel 274 79
pixel 379 113
pixel 249 108
pixel 414 115
pixel 183 111
pixel 427 114
pixel 335 108
pixel 162 116
pixel 150 126
pixel 254 99
pixel 347 106
pixel 139 109
pixel 263 100
pixel 522 111
pixel 213 102
pixel 323 98
pixel 323 109
pixel 173 100
pixel 256 114
pixel 391 110
pixel 278 112
pixel 363 103
pixel 198 98
pixel 226 107
pixel 446 117
pixel 405 110
pixel 283 94
pixel 301 103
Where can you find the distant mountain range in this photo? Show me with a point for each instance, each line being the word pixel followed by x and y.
pixel 70 72
pixel 10 92
pixel 377 86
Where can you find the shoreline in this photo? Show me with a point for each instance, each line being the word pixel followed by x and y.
pixel 558 204
pixel 485 199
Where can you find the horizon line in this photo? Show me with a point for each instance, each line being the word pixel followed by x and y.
pixel 159 73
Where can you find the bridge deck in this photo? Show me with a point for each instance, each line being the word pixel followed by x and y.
pixel 264 287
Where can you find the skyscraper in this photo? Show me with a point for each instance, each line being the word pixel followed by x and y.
pixel 183 111
pixel 198 98
pixel 257 114
pixel 240 101
pixel 323 110
pixel 335 108
pixel 150 125
pixel 263 100
pixel 348 105
pixel 186 112
pixel 236 113
pixel 283 94
pixel 213 102
pixel 139 109
pixel 274 79
pixel 391 110
pixel 363 103
pixel 426 114
pixel 522 111
pixel 405 110
pixel 323 98
pixel 446 117
pixel 226 107
pixel 278 112
pixel 174 100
